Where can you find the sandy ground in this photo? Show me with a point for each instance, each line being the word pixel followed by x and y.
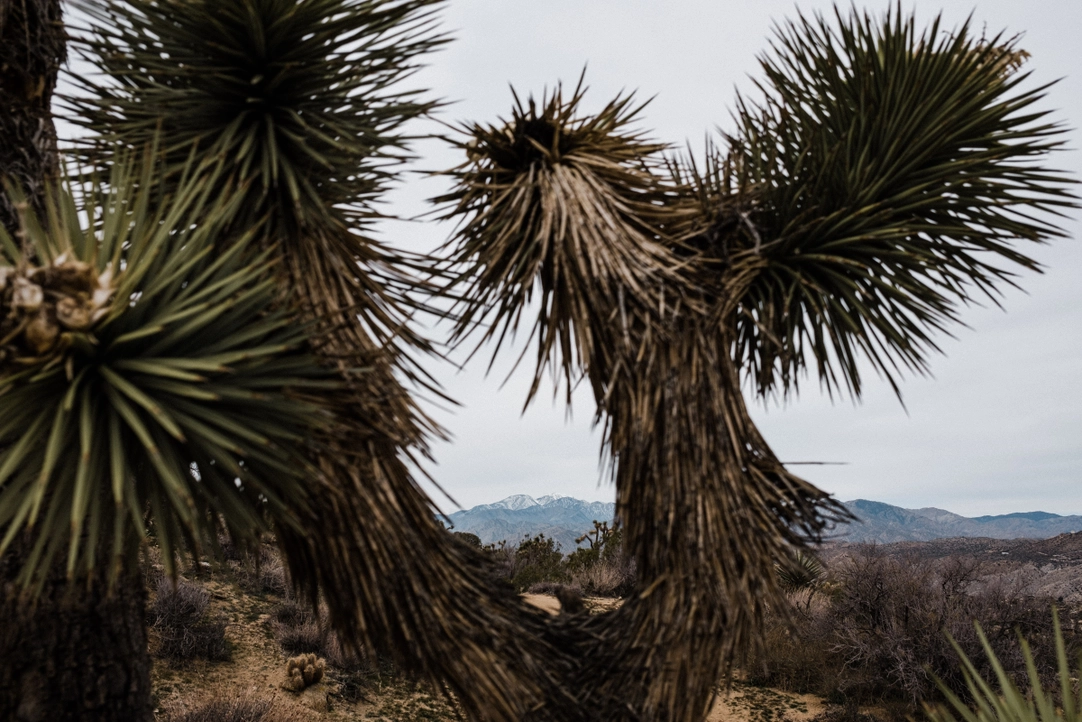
pixel 545 602
pixel 763 704
pixel 551 604
pixel 257 669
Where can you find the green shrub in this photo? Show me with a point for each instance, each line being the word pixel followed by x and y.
pixel 602 568
pixel 599 569
pixel 467 538
pixel 537 560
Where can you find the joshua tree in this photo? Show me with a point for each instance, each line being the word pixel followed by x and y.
pixel 67 644
pixel 200 337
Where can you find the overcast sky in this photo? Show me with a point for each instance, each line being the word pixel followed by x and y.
pixel 997 429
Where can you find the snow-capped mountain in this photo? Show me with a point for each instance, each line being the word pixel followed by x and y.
pixel 562 518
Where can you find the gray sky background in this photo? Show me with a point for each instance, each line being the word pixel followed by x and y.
pixel 999 427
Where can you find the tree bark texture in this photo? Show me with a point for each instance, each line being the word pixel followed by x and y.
pixel 80 652
pixel 78 655
pixel 32 49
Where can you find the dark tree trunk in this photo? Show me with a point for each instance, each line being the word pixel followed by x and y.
pixel 80 653
pixel 32 48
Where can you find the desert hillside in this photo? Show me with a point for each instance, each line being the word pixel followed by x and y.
pixel 231 644
pixel 226 661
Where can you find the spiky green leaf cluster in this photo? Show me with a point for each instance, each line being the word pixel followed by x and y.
pixel 302 102
pixel 799 571
pixel 1009 703
pixel 886 178
pixel 567 209
pixel 182 411
pixel 298 97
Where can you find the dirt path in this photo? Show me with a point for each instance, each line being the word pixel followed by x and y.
pixel 744 703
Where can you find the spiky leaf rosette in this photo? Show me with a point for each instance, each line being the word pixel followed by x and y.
pixel 304 102
pixel 147 383
pixel 886 179
pixel 799 571
pixel 1004 699
pixel 567 208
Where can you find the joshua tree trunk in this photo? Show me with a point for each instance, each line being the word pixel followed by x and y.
pixel 79 653
pixel 32 47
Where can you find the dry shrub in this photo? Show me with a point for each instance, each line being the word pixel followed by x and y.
pixel 800 658
pixel 299 628
pixel 184 628
pixel 554 589
pixel 354 671
pixel 895 614
pixel 291 612
pixel 876 631
pixel 608 577
pixel 244 708
pixel 178 604
pixel 151 566
pixel 263 572
pixel 536 562
pixel 302 639
pixel 228 549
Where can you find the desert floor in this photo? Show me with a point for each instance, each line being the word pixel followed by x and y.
pixel 257 669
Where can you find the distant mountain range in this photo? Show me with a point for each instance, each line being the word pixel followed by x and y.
pixel 564 518
pixel 559 517
pixel 884 523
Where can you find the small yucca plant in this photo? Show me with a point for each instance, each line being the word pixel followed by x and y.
pixel 1009 703
pixel 799 571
